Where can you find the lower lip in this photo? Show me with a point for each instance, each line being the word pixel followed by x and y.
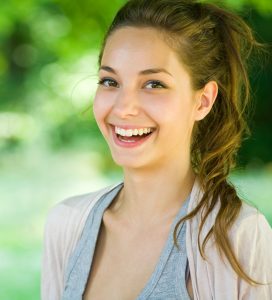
pixel 128 144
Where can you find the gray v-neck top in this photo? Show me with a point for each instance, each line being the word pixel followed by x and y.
pixel 168 281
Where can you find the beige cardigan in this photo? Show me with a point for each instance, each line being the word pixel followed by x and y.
pixel 251 238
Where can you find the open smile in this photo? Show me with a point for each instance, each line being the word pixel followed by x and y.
pixel 129 137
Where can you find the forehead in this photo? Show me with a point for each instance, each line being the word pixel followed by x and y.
pixel 138 47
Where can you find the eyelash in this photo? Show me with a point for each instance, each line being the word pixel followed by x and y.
pixel 103 80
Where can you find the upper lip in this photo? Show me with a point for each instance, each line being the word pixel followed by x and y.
pixel 131 126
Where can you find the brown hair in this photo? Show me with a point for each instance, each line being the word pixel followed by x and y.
pixel 215 45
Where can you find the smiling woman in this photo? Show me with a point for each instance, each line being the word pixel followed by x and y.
pixel 153 93
pixel 171 98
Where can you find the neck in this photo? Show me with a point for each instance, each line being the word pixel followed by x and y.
pixel 154 195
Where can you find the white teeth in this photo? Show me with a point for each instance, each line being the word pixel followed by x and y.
pixel 123 132
pixel 131 132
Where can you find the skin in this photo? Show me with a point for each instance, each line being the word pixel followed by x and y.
pixel 158 175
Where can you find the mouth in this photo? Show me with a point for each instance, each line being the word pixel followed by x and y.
pixel 131 137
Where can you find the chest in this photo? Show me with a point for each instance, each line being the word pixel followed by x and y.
pixel 123 263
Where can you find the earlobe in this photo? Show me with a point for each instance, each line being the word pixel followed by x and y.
pixel 206 100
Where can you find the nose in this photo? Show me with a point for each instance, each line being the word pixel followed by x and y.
pixel 126 104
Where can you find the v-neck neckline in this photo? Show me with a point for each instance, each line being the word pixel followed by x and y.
pixel 166 249
pixel 165 253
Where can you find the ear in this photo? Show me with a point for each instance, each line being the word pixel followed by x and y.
pixel 206 99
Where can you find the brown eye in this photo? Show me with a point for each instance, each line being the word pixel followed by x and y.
pixel 155 84
pixel 108 82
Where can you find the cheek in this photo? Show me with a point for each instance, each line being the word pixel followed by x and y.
pixel 160 108
pixel 96 109
pixel 176 116
pixel 171 109
pixel 101 106
pixel 101 109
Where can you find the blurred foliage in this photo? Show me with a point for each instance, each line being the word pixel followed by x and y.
pixel 48 63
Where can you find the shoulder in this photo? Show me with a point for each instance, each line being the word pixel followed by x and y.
pixel 66 219
pixel 251 228
pixel 251 237
pixel 64 224
pixel 251 219
pixel 248 222
pixel 74 209
pixel 251 240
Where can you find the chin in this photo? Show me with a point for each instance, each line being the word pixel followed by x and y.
pixel 129 162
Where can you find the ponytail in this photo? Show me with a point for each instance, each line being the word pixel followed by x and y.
pixel 213 44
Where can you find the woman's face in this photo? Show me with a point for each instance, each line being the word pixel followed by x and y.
pixel 144 86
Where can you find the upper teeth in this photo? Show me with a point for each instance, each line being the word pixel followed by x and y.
pixel 131 132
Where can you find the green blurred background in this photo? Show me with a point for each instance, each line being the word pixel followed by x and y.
pixel 50 146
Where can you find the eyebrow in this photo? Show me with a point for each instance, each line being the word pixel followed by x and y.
pixel 143 72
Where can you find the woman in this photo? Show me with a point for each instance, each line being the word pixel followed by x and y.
pixel 172 94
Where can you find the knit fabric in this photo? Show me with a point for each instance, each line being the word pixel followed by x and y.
pixel 168 280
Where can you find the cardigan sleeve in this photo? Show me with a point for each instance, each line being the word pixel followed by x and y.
pixel 213 277
pixel 55 247
pixel 62 231
pixel 253 245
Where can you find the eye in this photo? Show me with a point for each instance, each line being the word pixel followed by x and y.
pixel 155 84
pixel 107 82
